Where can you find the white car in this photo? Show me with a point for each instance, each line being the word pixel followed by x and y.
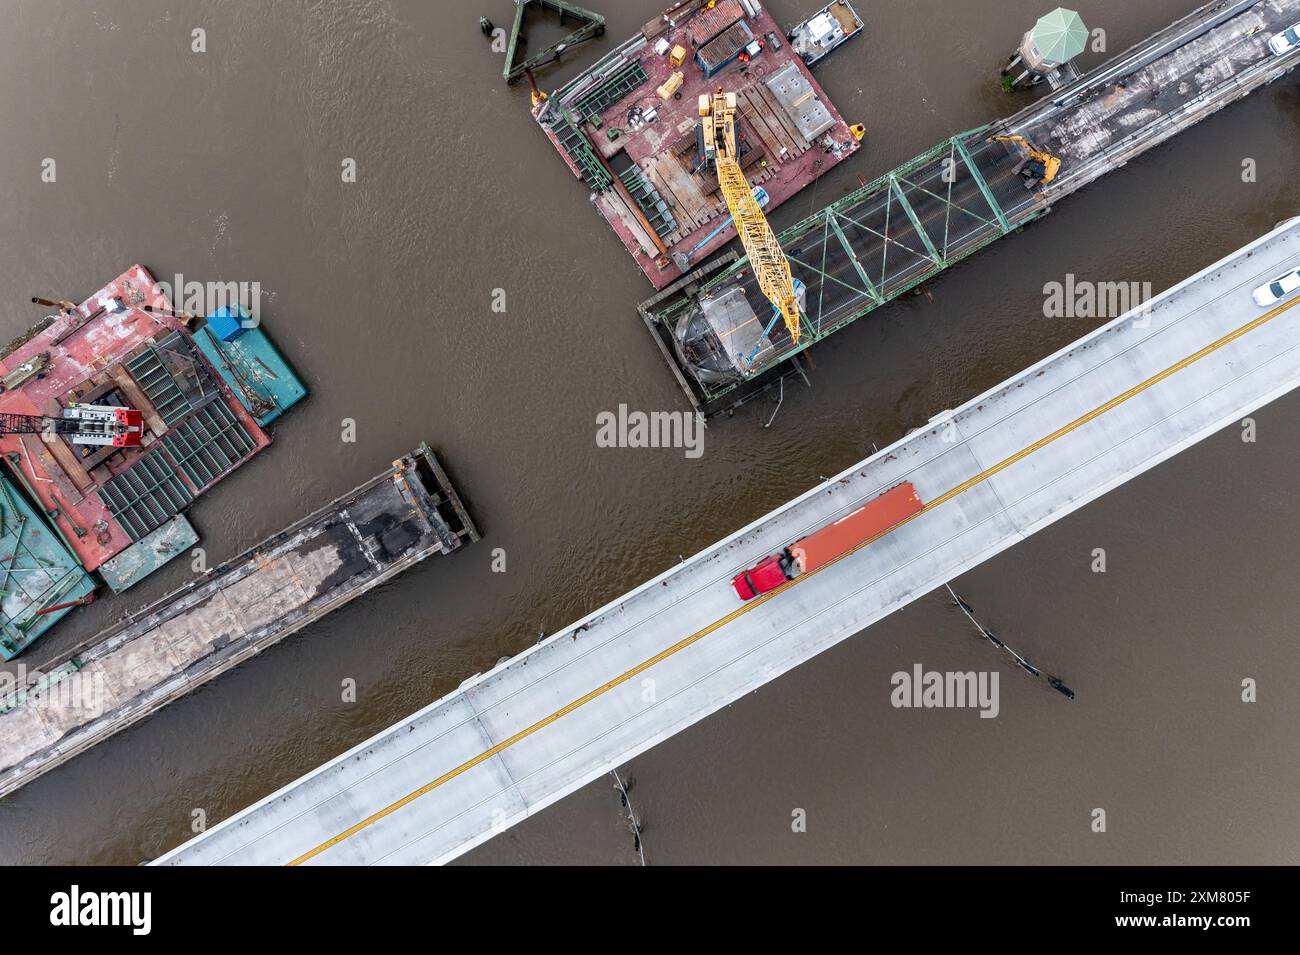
pixel 1278 289
pixel 1286 41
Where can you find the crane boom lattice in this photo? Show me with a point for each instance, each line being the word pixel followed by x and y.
pixel 771 267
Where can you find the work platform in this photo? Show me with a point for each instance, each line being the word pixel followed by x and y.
pixel 124 346
pixel 408 513
pixel 627 128
pixel 40 578
pixel 1006 464
pixel 937 209
pixel 117 509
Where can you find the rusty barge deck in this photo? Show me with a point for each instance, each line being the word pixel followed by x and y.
pixel 205 388
pixel 408 513
pixel 627 128
pixel 123 346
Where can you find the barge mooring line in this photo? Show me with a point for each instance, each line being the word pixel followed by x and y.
pixel 699 635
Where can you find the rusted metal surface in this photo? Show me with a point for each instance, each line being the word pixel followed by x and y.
pixel 397 519
pixel 91 347
pixel 777 158
pixel 148 554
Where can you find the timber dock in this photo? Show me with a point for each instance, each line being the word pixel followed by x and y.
pixel 395 520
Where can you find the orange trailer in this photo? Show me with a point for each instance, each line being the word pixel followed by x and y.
pixel 868 521
pixel 822 546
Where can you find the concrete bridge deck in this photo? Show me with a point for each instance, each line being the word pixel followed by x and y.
pixel 1006 464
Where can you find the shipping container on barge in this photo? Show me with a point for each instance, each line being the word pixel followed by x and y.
pixel 628 128
pixel 204 389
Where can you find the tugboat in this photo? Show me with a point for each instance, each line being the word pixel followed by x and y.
pixel 832 25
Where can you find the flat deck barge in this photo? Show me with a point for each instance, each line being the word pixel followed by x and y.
pixel 204 400
pixel 627 128
pixel 408 513
pixel 40 579
pixel 123 346
pixel 944 205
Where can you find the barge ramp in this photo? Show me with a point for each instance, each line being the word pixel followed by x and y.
pixel 395 520
pixel 942 206
pixel 682 646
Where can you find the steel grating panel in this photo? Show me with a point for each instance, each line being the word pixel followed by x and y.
pixel 208 443
pixel 626 78
pixel 146 495
pixel 575 144
pixel 157 382
pixel 188 459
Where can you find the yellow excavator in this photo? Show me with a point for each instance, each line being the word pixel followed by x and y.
pixel 1038 168
pixel 771 267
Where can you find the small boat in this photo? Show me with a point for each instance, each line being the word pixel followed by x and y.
pixel 832 25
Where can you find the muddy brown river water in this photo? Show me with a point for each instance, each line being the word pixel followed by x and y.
pixel 225 165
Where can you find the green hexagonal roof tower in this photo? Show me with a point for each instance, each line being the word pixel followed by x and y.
pixel 1060 36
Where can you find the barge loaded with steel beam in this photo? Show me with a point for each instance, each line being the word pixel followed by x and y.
pixel 919 219
pixel 395 520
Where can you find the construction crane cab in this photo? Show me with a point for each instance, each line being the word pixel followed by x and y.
pixel 719 145
pixel 1038 168
pixel 82 424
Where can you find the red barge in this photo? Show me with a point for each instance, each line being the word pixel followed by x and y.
pixel 628 127
pixel 118 509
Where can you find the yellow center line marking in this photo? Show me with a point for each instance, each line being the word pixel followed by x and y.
pixel 764 598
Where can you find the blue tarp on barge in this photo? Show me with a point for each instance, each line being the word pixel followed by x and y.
pixel 249 364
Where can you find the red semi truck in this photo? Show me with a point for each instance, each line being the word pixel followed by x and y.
pixel 822 546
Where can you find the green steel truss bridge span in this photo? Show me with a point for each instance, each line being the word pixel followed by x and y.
pixel 714 326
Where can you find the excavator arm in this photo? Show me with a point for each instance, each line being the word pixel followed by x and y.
pixel 1047 165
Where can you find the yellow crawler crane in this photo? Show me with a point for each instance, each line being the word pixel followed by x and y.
pixel 771 267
